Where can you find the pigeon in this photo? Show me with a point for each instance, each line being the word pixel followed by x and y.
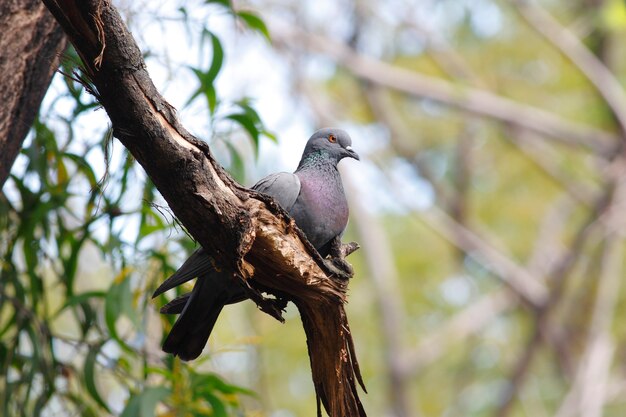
pixel 313 196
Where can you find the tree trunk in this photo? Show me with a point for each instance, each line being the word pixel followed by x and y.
pixel 31 43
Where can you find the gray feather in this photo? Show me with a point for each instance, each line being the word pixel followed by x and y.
pixel 197 264
pixel 282 186
pixel 176 306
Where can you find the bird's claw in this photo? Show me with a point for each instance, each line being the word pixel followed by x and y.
pixel 341 268
pixel 337 263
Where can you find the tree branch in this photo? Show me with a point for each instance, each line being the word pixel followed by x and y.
pixel 589 392
pixel 243 231
pixel 557 279
pixel 470 99
pixel 30 49
pixel 570 45
pixel 523 283
pixel 460 326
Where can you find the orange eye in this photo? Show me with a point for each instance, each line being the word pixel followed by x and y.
pixel 332 138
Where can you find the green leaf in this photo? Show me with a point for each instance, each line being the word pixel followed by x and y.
pixel 255 22
pixel 149 399
pixel 90 375
pixel 84 167
pixel 218 406
pixel 70 262
pixel 237 167
pixel 143 404
pixel 218 59
pixel 248 124
pixel 86 410
pixel 132 408
pixel 211 98
pixel 207 78
pixel 150 223
pixel 210 382
pixel 249 110
pixel 225 3
pixel 79 299
pixel 271 136
pixel 205 88
pixel 118 302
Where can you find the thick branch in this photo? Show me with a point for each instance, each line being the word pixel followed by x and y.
pixel 243 231
pixel 30 47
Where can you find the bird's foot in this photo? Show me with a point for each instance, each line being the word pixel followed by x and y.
pixel 337 260
pixel 340 268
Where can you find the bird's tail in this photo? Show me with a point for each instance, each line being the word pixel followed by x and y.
pixel 195 323
pixel 198 309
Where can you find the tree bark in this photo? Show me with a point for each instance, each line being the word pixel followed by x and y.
pixel 30 50
pixel 243 231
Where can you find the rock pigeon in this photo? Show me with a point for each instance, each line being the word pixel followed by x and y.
pixel 313 195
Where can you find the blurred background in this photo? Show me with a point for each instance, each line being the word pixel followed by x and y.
pixel 489 203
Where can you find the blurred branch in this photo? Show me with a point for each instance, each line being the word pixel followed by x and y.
pixel 520 280
pixel 557 279
pixel 447 58
pixel 590 389
pixel 468 321
pixel 463 172
pixel 530 289
pixel 470 99
pixel 403 141
pixel 590 65
pixel 459 327
pixel 591 386
pixel 547 246
pixel 545 159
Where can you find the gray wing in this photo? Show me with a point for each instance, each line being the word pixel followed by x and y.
pixel 283 186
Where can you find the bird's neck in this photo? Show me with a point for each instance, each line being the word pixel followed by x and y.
pixel 318 160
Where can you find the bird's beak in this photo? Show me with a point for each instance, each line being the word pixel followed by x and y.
pixel 350 153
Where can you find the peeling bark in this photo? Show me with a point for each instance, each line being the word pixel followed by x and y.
pixel 244 232
pixel 31 43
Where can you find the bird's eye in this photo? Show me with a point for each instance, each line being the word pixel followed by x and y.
pixel 332 138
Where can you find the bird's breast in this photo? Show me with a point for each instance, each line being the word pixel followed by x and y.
pixel 321 210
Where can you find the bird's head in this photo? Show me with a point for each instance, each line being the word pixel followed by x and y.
pixel 332 141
